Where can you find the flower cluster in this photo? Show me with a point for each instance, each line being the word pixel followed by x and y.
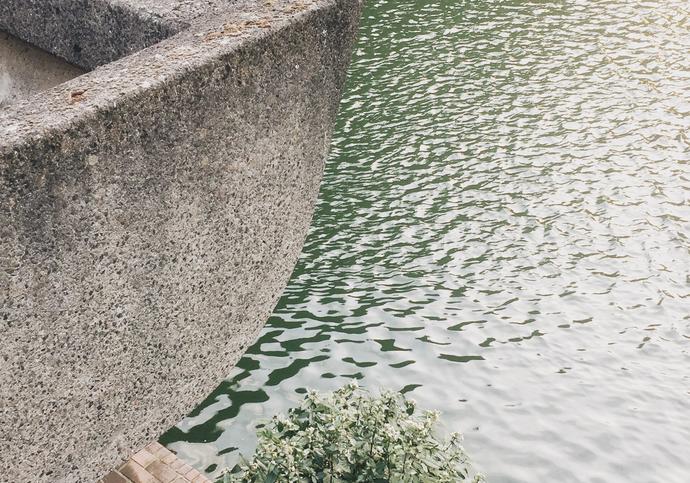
pixel 352 436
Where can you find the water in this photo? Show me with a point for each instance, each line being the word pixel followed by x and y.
pixel 503 233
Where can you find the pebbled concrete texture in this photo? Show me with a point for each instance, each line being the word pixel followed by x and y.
pixel 26 70
pixel 151 212
pixel 87 33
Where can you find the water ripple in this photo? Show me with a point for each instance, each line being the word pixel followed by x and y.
pixel 502 233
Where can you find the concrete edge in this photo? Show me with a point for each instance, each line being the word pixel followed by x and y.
pixel 70 106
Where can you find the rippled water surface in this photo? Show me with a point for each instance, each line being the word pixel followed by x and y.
pixel 503 233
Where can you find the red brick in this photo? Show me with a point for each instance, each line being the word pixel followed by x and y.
pixel 153 447
pixel 192 474
pixel 114 477
pixel 144 458
pixel 184 469
pixel 177 464
pixel 162 452
pixel 163 472
pixel 136 473
pixel 168 459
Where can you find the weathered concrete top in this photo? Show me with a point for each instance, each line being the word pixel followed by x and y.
pixel 151 211
pixel 185 11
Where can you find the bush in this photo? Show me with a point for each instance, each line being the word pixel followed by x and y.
pixel 351 436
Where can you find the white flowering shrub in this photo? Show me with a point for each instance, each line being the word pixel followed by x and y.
pixel 352 436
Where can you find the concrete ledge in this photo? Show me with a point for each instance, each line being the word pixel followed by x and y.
pixel 26 70
pixel 87 33
pixel 151 212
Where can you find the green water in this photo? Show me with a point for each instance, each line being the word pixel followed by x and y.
pixel 502 233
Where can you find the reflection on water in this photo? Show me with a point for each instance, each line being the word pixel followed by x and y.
pixel 503 233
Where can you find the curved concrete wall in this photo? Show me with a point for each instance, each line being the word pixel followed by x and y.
pixel 151 212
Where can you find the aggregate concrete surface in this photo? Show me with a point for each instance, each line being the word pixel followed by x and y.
pixel 151 212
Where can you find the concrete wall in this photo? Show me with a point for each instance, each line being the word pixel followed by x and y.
pixel 151 212
pixel 88 33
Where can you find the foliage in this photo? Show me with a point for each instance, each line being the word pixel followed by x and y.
pixel 351 436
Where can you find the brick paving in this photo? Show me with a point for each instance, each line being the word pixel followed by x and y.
pixel 155 464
